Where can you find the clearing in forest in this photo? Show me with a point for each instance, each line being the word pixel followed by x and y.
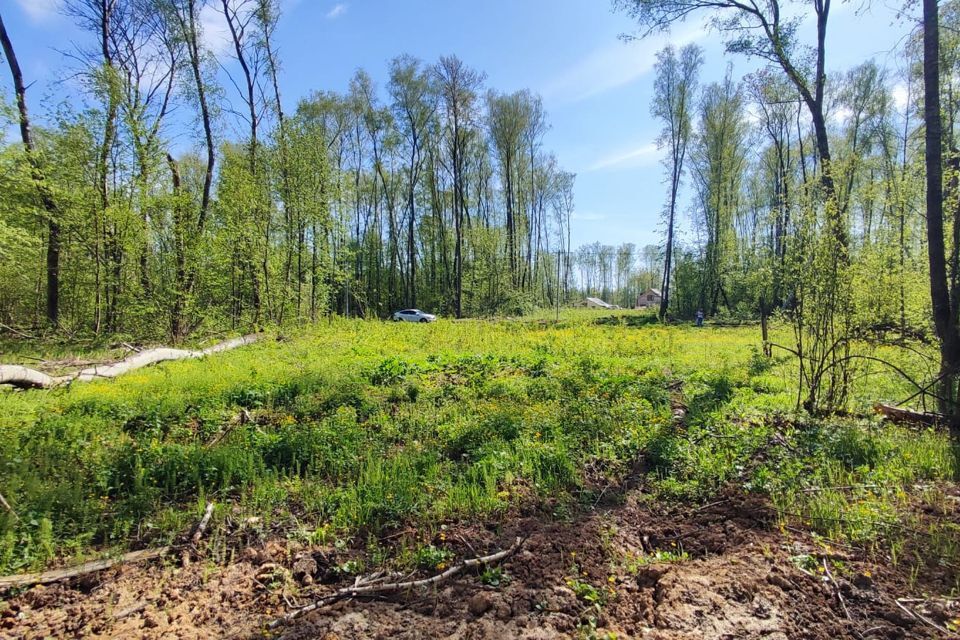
pixel 659 478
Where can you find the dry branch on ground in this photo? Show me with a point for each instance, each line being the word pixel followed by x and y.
pixel 56 575
pixel 361 588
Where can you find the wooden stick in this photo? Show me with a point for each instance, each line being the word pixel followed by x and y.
pixel 19 333
pixel 361 588
pixel 27 579
pixel 202 527
pixel 197 535
pixel 921 617
pixel 7 506
pixel 129 611
pixel 56 575
pixel 836 588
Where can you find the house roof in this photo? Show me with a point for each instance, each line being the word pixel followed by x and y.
pixel 599 302
pixel 653 291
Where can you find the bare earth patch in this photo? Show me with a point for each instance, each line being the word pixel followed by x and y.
pixel 720 571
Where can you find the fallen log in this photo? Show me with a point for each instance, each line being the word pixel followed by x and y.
pixel 902 415
pixel 94 566
pixel 26 378
pixel 47 577
pixel 360 589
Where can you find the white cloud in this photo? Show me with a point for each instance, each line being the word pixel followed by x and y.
pixel 614 65
pixel 589 216
pixel 338 10
pixel 840 115
pixel 41 10
pixel 643 156
pixel 215 32
pixel 752 115
pixel 901 95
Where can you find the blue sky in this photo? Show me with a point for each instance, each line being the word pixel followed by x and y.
pixel 596 88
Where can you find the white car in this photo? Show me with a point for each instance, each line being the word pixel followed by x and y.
pixel 413 315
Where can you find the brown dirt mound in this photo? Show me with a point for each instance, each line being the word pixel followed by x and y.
pixel 734 575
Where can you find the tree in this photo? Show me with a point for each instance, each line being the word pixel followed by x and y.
pixel 764 30
pixel 147 57
pixel 414 106
pixel 184 15
pixel 458 86
pixel 241 21
pixel 946 300
pixel 507 120
pixel 563 209
pixel 719 161
pixel 674 89
pixel 39 180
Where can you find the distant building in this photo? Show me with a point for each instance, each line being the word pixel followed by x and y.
pixel 649 298
pixel 597 303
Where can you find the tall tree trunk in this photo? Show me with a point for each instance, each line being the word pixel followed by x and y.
pixel 180 287
pixel 668 257
pixel 46 196
pixel 237 35
pixel 187 24
pixel 945 308
pixel 411 242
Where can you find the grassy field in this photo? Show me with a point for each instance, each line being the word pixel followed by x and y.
pixel 351 429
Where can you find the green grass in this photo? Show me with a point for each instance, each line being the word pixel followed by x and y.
pixel 352 428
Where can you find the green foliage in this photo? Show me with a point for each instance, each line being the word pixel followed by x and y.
pixel 360 427
pixel 494 577
pixel 432 558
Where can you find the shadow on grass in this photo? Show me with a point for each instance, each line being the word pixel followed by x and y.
pixel 628 320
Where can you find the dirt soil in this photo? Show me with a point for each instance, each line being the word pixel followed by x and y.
pixel 594 574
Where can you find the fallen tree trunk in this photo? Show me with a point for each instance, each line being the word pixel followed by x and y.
pixel 902 415
pixel 26 378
